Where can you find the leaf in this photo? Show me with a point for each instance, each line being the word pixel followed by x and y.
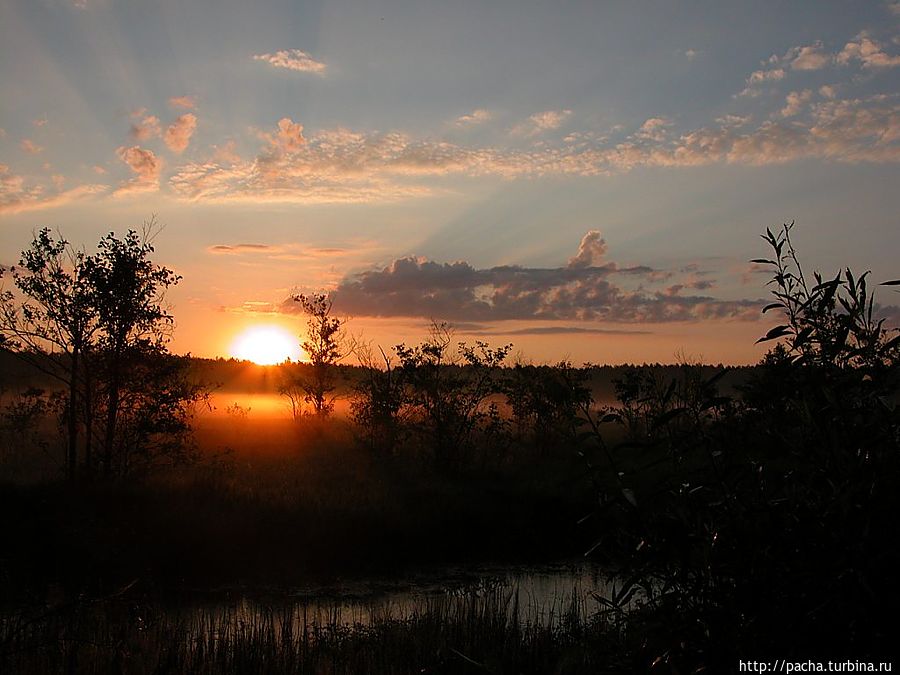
pixel 775 333
pixel 667 416
pixel 763 261
pixel 895 282
pixel 803 336
pixel 774 305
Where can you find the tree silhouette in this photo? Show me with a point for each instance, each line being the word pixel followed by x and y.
pixel 325 345
pixel 97 324
pixel 50 322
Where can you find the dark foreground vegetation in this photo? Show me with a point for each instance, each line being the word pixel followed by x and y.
pixel 751 521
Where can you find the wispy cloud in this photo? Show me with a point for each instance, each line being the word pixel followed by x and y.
pixel 340 165
pixel 178 134
pixel 146 128
pixel 234 249
pixel 477 116
pixel 186 102
pixel 758 77
pixel 17 196
pixel 541 122
pixel 30 146
pixel 293 59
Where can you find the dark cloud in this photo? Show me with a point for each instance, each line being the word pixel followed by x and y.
pixel 582 290
pixel 239 248
pixel 561 330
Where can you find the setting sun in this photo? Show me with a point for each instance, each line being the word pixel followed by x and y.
pixel 266 345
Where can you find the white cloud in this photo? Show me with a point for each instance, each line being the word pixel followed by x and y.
pixel 293 59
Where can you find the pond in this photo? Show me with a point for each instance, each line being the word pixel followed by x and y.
pixel 539 594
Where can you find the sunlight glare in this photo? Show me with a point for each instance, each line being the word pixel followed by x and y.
pixel 266 345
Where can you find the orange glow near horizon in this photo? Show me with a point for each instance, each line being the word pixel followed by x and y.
pixel 266 345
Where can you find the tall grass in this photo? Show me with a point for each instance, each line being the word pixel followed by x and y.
pixel 483 630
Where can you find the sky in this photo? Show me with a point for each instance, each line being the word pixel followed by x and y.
pixel 585 180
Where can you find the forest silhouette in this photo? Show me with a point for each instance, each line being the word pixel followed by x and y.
pixel 743 512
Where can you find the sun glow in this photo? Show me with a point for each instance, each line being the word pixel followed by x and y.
pixel 266 345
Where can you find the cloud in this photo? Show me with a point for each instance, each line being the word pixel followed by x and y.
pixel 293 59
pixel 289 136
pixel 16 196
pixel 40 121
pixel 146 128
pixel 282 252
pixel 759 77
pixel 584 291
pixel 810 57
pixel 178 134
pixel 691 54
pixel 226 153
pixel 541 122
pixel 477 116
pixel 590 251
pixel 554 330
pixel 828 91
pixel 146 167
pixel 188 102
pixel 344 166
pixel 239 248
pixel 654 129
pixel 30 146
pixel 795 101
pixel 868 52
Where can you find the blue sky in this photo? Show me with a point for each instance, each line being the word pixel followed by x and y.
pixel 334 145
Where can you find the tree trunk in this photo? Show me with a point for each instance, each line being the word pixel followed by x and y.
pixel 112 411
pixel 72 449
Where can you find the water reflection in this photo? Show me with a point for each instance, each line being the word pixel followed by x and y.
pixel 542 595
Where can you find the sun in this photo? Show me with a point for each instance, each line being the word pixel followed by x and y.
pixel 266 345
